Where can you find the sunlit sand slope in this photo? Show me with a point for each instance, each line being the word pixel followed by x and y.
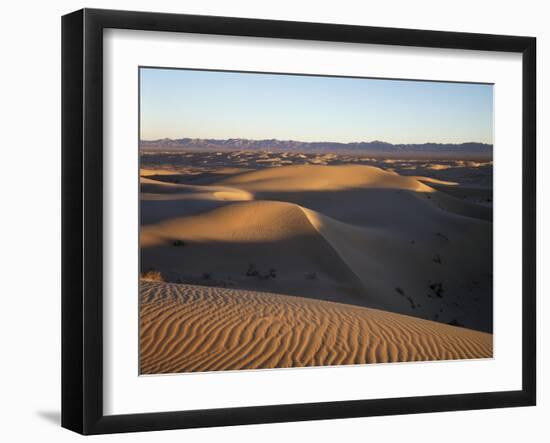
pixel 342 190
pixel 322 178
pixel 239 244
pixel 185 328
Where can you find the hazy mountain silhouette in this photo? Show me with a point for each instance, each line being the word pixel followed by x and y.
pixel 375 146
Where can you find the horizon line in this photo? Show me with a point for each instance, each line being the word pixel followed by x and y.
pixel 317 141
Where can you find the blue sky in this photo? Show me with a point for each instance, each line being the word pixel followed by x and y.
pixel 178 103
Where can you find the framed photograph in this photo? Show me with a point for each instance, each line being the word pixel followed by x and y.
pixel 269 221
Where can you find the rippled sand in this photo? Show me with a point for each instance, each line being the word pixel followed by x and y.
pixel 185 328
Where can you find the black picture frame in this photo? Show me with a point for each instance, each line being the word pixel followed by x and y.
pixel 82 218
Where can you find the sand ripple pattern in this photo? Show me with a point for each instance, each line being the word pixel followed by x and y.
pixel 186 328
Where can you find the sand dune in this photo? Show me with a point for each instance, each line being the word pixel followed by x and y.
pixel 322 178
pixel 365 258
pixel 396 275
pixel 239 222
pixel 186 328
pixel 479 195
pixel 352 234
pixel 266 235
pixel 366 189
pixel 150 186
pixel 162 200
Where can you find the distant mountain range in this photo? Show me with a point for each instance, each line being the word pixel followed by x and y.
pixel 379 147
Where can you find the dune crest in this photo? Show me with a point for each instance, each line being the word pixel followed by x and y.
pixel 323 178
pixel 193 192
pixel 266 221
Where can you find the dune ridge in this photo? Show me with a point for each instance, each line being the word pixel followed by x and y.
pixel 186 328
pixel 321 178
pixel 197 192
